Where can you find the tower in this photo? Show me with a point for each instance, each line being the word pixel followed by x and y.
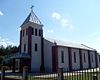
pixel 31 42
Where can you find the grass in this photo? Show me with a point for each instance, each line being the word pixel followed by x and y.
pixel 79 77
pixel 84 76
pixel 42 79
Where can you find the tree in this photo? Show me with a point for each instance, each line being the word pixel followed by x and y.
pixel 2 50
pixel 7 51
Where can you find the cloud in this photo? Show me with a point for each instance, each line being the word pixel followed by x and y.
pixel 66 23
pixel 19 29
pixel 50 31
pixel 63 21
pixel 71 26
pixel 95 34
pixel 56 15
pixel 6 42
pixel 47 31
pixel 1 14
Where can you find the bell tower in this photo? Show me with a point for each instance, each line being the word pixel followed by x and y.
pixel 31 41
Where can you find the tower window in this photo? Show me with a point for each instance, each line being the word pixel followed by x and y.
pixel 32 31
pixel 36 46
pixel 99 58
pixel 24 47
pixel 74 57
pixel 35 32
pixel 39 32
pixel 92 57
pixel 62 56
pixel 84 58
pixel 23 32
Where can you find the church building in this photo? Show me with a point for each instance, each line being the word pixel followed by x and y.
pixel 44 54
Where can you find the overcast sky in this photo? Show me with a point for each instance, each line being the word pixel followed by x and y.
pixel 67 20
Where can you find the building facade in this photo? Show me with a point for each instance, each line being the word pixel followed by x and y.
pixel 49 54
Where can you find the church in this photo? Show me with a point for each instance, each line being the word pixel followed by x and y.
pixel 45 54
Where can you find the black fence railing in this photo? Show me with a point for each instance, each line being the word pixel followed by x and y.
pixel 86 74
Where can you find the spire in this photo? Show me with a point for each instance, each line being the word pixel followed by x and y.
pixel 32 18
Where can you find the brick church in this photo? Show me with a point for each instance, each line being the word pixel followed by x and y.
pixel 41 54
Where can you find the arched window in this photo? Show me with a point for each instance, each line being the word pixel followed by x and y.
pixel 92 57
pixel 62 56
pixel 84 58
pixel 35 32
pixel 36 47
pixel 74 57
pixel 32 31
pixel 39 32
pixel 24 47
pixel 23 33
pixel 99 58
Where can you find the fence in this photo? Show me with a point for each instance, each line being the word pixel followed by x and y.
pixel 87 74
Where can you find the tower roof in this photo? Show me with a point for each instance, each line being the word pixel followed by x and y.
pixel 32 18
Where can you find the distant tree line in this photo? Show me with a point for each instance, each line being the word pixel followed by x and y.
pixel 7 51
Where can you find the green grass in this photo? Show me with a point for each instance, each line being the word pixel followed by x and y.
pixel 79 77
pixel 84 76
pixel 38 78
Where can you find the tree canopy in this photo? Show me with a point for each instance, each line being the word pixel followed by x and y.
pixel 8 50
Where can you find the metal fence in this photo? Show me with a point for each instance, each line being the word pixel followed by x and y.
pixel 86 74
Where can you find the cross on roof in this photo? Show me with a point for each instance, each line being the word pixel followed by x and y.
pixel 31 7
pixel 32 18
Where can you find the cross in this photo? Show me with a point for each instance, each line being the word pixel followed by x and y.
pixel 31 7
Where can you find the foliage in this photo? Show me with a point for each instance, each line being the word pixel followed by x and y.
pixel 2 50
pixel 1 58
pixel 7 51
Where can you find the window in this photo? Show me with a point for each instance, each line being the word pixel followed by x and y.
pixel 32 31
pixel 23 33
pixel 92 57
pixel 74 57
pixel 26 31
pixel 84 58
pixel 39 32
pixel 99 58
pixel 24 47
pixel 62 56
pixel 35 32
pixel 36 47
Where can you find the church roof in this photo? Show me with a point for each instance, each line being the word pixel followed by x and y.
pixel 70 44
pixel 32 18
pixel 20 55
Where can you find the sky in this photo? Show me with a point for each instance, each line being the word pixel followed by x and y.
pixel 76 21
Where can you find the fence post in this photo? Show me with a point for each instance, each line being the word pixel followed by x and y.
pixel 13 67
pixel 95 77
pixel 25 73
pixel 60 74
pixel 3 73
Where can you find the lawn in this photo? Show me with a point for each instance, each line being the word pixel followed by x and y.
pixel 79 76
